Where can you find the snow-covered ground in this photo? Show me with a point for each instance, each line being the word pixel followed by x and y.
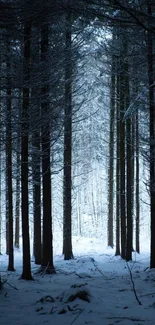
pixel 103 279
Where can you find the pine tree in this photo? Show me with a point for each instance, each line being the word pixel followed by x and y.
pixel 152 133
pixel 67 181
pixel 137 187
pixel 26 274
pixel 9 162
pixel 111 157
pixel 47 253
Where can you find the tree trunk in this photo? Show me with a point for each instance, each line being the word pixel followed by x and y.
pixel 37 198
pixel 67 178
pixel 26 274
pixel 111 158
pixel 6 203
pixel 36 160
pixel 0 159
pixel 9 167
pixel 129 192
pixel 17 204
pixel 137 187
pixel 47 254
pixel 133 125
pixel 122 164
pixel 152 137
pixel 129 164
pixel 118 167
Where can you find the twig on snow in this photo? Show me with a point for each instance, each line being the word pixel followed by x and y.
pixel 45 270
pixel 148 294
pixel 64 272
pixel 81 311
pixel 93 261
pixel 128 318
pixel 133 284
pixel 11 285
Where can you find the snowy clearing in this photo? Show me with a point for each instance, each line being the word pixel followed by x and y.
pixel 95 275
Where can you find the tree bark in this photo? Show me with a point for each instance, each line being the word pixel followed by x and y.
pixel 67 178
pixel 9 165
pixel 137 188
pixel 26 274
pixel 111 158
pixel 122 162
pixel 152 136
pixel 37 198
pixel 118 166
pixel 47 254
pixel 17 204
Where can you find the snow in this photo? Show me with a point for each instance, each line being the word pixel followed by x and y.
pixel 103 277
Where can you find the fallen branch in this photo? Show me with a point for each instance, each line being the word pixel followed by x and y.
pixel 133 284
pixel 93 261
pixel 128 318
pixel 64 272
pixel 81 311
pixel 11 285
pixel 148 294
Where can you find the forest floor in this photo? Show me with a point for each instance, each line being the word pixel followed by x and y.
pixel 117 292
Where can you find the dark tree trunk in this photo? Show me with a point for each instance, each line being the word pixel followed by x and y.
pixel 133 125
pixel 129 192
pixel 137 188
pixel 47 254
pixel 17 204
pixel 129 165
pixel 36 160
pixel 9 168
pixel 0 196
pixel 152 137
pixel 37 198
pixel 67 178
pixel 111 158
pixel 118 167
pixel 26 274
pixel 122 165
pixel 6 204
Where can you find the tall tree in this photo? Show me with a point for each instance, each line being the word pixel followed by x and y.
pixel 9 160
pixel 36 148
pixel 152 130
pixel 26 274
pixel 37 197
pixel 0 194
pixel 111 155
pixel 137 187
pixel 67 177
pixel 129 165
pixel 6 202
pixel 47 253
pixel 17 203
pixel 122 150
pixel 118 162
